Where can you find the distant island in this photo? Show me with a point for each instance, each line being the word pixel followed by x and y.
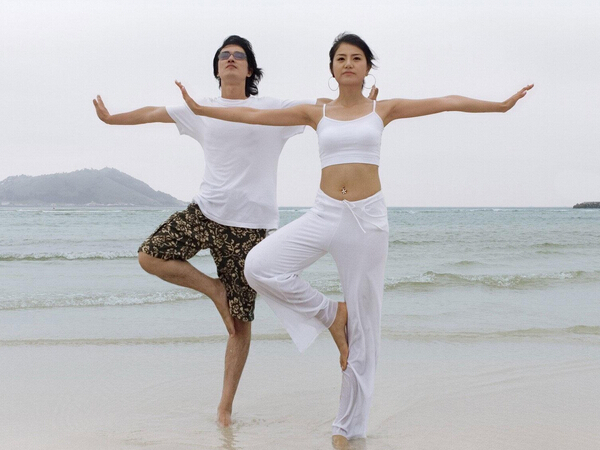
pixel 87 187
pixel 587 205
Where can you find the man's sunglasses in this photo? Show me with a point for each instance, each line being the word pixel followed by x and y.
pixel 239 56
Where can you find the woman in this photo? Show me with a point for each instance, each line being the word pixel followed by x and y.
pixel 349 220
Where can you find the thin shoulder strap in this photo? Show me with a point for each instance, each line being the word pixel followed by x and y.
pixel 324 105
pixel 374 104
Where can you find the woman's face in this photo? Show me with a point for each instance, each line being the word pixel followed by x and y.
pixel 349 65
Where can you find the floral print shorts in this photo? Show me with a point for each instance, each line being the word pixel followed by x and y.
pixel 187 232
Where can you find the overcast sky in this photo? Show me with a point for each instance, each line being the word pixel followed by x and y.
pixel 57 55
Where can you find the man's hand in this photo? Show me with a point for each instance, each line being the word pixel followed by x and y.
pixel 101 110
pixel 373 93
pixel 147 114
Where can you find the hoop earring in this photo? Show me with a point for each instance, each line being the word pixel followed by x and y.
pixel 329 84
pixel 374 81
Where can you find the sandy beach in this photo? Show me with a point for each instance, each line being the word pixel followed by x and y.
pixel 502 394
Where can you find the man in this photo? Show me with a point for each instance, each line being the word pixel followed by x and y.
pixel 236 204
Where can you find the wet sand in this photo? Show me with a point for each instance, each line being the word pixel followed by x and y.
pixel 502 394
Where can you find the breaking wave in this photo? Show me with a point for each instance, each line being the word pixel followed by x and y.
pixel 515 281
pixel 87 300
pixel 75 256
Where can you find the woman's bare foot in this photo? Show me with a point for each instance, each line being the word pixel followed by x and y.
pixel 219 298
pixel 224 417
pixel 338 332
pixel 339 442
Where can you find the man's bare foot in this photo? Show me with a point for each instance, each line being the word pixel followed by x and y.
pixel 224 417
pixel 219 298
pixel 338 332
pixel 339 442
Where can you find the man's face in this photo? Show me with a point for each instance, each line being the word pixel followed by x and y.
pixel 232 68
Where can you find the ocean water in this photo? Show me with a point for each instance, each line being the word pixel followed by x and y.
pixel 448 271
pixel 479 303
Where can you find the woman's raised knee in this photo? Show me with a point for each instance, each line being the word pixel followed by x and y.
pixel 252 268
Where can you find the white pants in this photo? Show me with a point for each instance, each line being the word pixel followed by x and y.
pixel 356 235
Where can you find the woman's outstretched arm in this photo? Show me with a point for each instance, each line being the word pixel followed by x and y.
pixel 295 115
pixel 402 108
pixel 148 114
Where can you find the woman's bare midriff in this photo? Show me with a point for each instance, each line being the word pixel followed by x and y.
pixel 350 181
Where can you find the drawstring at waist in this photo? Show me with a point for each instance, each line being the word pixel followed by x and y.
pixel 351 209
pixel 370 210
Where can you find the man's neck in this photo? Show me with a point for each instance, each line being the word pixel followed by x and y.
pixel 233 91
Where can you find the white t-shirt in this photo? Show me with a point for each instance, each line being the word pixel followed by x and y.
pixel 239 187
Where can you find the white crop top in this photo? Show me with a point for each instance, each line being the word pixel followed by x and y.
pixel 350 141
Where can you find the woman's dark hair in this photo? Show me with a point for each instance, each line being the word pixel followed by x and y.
pixel 352 39
pixel 257 73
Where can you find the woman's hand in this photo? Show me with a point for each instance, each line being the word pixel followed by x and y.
pixel 508 104
pixel 195 107
pixel 295 115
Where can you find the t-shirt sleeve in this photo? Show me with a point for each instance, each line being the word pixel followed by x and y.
pixel 289 103
pixel 187 122
pixel 288 132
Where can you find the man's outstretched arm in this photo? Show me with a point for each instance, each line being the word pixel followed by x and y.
pixel 148 114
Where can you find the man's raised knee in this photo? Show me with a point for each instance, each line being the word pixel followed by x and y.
pixel 148 263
